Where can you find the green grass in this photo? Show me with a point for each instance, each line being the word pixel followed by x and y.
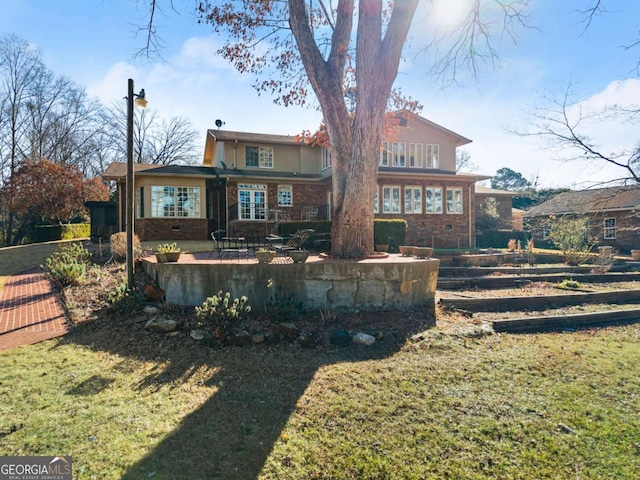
pixel 447 407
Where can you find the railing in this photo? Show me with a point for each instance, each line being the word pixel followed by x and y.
pixel 257 211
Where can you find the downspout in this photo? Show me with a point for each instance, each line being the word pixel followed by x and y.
pixel 226 206
pixel 235 154
pixel 472 244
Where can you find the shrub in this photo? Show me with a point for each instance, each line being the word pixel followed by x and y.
pixel 68 264
pixel 281 306
pixel 571 235
pixel 222 313
pixel 124 299
pixel 569 284
pixel 118 245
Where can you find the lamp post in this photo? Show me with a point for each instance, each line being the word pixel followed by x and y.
pixel 142 103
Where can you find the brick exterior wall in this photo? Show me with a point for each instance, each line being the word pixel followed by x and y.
pixel 627 229
pixel 149 229
pixel 503 206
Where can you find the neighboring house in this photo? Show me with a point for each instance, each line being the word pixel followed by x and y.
pixel 502 199
pixel 612 213
pixel 250 182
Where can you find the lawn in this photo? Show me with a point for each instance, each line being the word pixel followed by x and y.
pixel 556 405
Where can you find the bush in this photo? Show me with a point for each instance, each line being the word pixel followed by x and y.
pixel 118 245
pixel 283 307
pixel 68 264
pixel 222 313
pixel 124 299
pixel 390 232
pixel 571 235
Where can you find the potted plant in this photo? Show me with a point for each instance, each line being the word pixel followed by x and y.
pixel 264 255
pixel 299 256
pixel 170 251
pixel 406 250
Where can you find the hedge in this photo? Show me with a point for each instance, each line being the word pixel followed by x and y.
pixel 391 232
pixel 500 238
pixel 51 233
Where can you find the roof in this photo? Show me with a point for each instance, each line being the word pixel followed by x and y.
pixel 118 170
pixel 222 135
pixel 493 191
pixel 460 140
pixel 589 201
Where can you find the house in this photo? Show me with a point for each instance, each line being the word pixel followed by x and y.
pixel 250 182
pixel 502 200
pixel 612 213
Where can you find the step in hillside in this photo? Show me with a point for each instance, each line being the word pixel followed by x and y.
pixel 531 303
pixel 514 281
pixel 565 322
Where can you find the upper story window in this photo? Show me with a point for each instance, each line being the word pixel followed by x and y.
pixel 285 195
pixel 415 155
pixel 169 201
pixel 390 199
pixel 326 158
pixel 432 159
pixel 385 154
pixel 610 228
pixel 454 201
pixel 433 198
pixel 261 157
pixel 399 154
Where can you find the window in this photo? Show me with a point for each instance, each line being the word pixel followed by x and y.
pixel 413 200
pixel 433 154
pixel 376 201
pixel 253 204
pixel 285 195
pixel 385 153
pixel 326 158
pixel 415 155
pixel 454 201
pixel 610 228
pixel 546 229
pixel 182 202
pixel 390 199
pixel 139 202
pixel 433 197
pixel 399 153
pixel 261 157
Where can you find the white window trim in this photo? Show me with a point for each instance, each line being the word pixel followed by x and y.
pixel 376 200
pixel 265 157
pixel 415 205
pixel 385 155
pixel 453 203
pixel 416 155
pixel 255 213
pixel 193 191
pixel 391 189
pixel 435 211
pixel 285 188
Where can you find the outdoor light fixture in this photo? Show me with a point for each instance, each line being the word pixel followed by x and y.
pixel 141 102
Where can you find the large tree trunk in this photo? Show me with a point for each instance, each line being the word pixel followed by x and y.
pixel 354 139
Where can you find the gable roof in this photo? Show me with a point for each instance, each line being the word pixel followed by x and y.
pixel 459 139
pixel 589 201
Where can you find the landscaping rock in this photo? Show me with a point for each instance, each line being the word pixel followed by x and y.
pixel 364 339
pixel 340 338
pixel 289 330
pixel 258 337
pixel 161 324
pixel 151 309
pixel 153 294
pixel 197 334
pixel 239 339
pixel 309 340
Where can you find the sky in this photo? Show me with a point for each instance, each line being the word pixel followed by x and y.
pixel 93 42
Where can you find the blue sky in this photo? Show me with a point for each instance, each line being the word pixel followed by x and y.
pixel 93 41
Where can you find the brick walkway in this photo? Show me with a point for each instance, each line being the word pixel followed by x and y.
pixel 30 311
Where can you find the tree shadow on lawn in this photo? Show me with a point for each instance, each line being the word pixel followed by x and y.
pixel 258 387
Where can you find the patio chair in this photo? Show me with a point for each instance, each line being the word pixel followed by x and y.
pixel 228 249
pixel 297 241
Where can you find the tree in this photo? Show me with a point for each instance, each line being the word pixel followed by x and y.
pixel 488 216
pixel 155 140
pixel 507 179
pixel 349 52
pixel 50 192
pixel 571 235
pixel 463 162
pixel 563 119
